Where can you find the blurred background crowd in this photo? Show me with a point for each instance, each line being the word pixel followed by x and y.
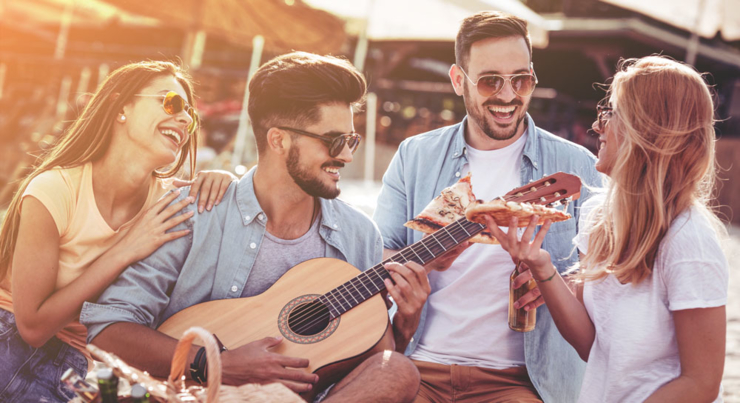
pixel 54 53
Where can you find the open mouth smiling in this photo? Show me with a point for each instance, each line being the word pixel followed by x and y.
pixel 174 135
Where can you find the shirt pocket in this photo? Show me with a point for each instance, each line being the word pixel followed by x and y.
pixel 559 242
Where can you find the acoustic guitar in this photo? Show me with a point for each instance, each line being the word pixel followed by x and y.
pixel 326 311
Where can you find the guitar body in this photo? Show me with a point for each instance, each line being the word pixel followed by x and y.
pixel 333 347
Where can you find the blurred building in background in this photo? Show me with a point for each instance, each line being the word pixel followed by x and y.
pixel 53 52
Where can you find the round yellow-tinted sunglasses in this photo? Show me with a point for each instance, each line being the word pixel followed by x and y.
pixel 173 104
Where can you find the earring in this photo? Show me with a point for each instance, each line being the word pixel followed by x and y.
pixel 122 118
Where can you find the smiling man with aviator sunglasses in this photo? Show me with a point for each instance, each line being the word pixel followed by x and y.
pixel 462 345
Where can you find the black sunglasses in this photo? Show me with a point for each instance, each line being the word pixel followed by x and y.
pixel 336 144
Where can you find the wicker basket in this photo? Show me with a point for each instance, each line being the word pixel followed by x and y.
pixel 175 390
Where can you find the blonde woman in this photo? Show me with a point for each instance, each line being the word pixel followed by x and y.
pixel 91 208
pixel 649 315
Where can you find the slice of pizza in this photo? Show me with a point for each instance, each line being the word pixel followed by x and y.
pixel 447 208
pixel 502 211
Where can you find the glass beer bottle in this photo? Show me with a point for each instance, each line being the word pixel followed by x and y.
pixel 519 319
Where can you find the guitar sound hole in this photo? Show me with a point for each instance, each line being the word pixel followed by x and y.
pixel 309 319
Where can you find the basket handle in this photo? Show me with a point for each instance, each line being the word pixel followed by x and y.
pixel 212 353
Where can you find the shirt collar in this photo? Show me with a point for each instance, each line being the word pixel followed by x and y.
pixel 458 146
pixel 531 147
pixel 249 207
pixel 246 200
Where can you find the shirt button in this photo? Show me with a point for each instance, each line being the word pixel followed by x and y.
pixel 234 288
pixel 457 174
pixel 261 217
pixel 335 226
pixel 246 217
pixel 252 245
pixel 456 154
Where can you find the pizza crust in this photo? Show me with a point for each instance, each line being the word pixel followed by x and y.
pixel 448 207
pixel 502 212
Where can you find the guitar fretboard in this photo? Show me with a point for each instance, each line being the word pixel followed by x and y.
pixel 370 282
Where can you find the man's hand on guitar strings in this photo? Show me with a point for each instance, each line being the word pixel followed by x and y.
pixel 410 289
pixel 253 363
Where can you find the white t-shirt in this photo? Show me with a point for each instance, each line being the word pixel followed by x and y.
pixel 467 317
pixel 635 350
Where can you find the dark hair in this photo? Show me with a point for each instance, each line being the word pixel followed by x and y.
pixel 289 89
pixel 484 25
pixel 89 137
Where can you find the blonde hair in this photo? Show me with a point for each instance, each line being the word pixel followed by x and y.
pixel 89 137
pixel 664 115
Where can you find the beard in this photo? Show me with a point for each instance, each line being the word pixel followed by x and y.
pixel 312 185
pixel 480 116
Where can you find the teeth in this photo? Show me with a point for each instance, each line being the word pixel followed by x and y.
pixel 501 109
pixel 332 170
pixel 172 133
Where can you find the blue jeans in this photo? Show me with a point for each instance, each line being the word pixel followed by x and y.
pixel 30 374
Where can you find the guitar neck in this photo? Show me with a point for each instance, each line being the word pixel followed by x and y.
pixel 370 282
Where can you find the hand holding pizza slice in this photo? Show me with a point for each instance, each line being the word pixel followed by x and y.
pixel 447 208
pixel 458 201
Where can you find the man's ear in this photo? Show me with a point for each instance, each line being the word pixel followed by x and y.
pixel 457 78
pixel 277 140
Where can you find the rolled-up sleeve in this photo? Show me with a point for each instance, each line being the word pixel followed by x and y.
pixel 390 213
pixel 141 293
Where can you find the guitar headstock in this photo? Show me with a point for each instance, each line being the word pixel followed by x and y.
pixel 548 190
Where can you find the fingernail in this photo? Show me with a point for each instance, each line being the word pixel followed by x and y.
pixel 177 191
pixel 217 202
pixel 209 206
pixel 190 199
pixel 200 209
pixel 191 213
pixel 516 305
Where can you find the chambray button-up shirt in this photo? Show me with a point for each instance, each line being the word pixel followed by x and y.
pixel 215 259
pixel 427 163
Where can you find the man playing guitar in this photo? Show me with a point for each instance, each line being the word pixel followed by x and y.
pixel 281 213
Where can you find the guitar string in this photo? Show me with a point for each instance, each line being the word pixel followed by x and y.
pixel 310 315
pixel 368 274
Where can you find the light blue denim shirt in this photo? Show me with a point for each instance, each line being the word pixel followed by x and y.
pixel 215 259
pixel 427 163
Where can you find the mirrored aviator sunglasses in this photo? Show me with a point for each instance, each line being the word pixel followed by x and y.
pixel 522 84
pixel 173 104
